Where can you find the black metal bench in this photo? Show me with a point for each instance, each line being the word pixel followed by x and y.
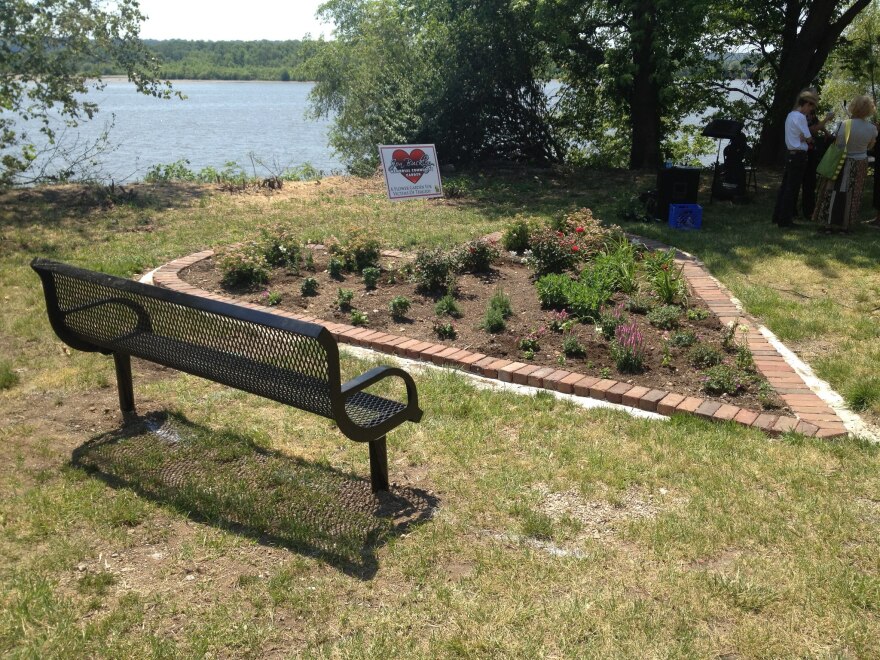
pixel 282 359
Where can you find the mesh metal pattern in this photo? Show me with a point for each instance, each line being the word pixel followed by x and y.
pixel 289 361
pixel 270 362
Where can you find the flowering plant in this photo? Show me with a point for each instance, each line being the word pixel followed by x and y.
pixel 628 348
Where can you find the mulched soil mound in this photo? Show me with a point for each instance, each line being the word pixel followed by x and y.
pixel 516 280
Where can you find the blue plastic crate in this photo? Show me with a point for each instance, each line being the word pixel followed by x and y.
pixel 685 216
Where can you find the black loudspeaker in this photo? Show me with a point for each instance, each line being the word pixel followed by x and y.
pixel 676 185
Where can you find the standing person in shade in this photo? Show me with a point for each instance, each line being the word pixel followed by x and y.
pixel 876 221
pixel 841 199
pixel 814 155
pixel 797 139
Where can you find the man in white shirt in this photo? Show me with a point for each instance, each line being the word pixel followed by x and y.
pixel 797 139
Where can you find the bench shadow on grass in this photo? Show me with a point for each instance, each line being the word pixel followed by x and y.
pixel 225 479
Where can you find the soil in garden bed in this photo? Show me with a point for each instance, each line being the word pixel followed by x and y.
pixel 667 370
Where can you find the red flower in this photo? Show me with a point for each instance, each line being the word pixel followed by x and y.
pixel 579 230
pixel 560 234
pixel 574 248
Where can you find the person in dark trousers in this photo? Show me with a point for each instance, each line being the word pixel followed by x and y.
pixel 797 139
pixel 876 153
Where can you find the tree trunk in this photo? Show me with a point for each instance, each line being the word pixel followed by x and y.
pixel 806 46
pixel 645 109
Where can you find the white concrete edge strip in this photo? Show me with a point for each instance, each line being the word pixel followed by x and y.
pixel 492 384
pixel 147 278
pixel 851 421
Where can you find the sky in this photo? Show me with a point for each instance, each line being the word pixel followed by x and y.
pixel 222 20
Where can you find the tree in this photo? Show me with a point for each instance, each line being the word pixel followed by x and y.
pixel 42 43
pixel 457 73
pixel 630 69
pixel 790 42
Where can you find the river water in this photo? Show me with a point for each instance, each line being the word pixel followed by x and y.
pixel 218 122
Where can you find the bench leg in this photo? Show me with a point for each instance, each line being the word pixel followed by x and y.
pixel 124 384
pixel 378 464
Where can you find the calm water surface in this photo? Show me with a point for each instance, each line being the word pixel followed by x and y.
pixel 216 123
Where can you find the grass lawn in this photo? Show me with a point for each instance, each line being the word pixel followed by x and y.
pixel 522 526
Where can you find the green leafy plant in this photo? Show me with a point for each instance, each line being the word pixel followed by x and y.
pixel 609 320
pixel 516 235
pixel 433 269
pixel 572 347
pixel 697 314
pixel 445 329
pixel 722 379
pixel 281 246
pixel 399 306
pixel 559 321
pixel 683 339
pixel 639 303
pixel 309 261
pixel 243 266
pixel 344 298
pixel 666 317
pixel 358 318
pixel 728 335
pixel 309 287
pixel 476 256
pixel 703 356
pixel 552 252
pixel 554 290
pixel 271 298
pixel 371 276
pixel 744 359
pixel 358 250
pixel 335 267
pixel 501 302
pixel 494 322
pixel 447 306
pixel 531 342
pixel 669 284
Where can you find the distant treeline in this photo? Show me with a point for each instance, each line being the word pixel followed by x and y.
pixel 226 60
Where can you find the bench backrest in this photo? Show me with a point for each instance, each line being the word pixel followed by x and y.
pixel 290 361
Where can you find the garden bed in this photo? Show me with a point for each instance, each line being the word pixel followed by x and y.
pixel 675 359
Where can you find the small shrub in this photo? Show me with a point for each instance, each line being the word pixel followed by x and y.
pixel 628 348
pixel 476 256
pixel 359 250
pixel 445 329
pixel 552 252
pixel 516 235
pixel 8 378
pixel 659 260
pixel 271 298
pixel 494 321
pixel 501 302
pixel 335 268
pixel 728 335
pixel 399 306
pixel 722 379
pixel 609 320
pixel 344 298
pixel 697 314
pixel 309 261
pixel 433 269
pixel 244 266
pixel 358 318
pixel 744 359
pixel 572 347
pixel 553 290
pixel 665 317
pixel 559 321
pixel 639 303
pixel 371 276
pixel 531 342
pixel 447 306
pixel 309 287
pixel 585 301
pixel 605 372
pixel 683 339
pixel 281 247
pixel 703 356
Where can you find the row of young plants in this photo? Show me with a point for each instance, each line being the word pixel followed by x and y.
pixel 579 267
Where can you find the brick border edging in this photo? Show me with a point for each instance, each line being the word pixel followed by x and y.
pixel 813 417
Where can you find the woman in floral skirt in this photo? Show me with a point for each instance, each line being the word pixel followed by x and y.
pixel 841 198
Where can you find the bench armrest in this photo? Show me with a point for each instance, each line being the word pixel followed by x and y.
pixel 411 412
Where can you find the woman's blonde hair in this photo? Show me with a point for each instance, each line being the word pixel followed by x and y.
pixel 860 107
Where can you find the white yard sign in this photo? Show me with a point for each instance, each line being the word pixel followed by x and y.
pixel 411 171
